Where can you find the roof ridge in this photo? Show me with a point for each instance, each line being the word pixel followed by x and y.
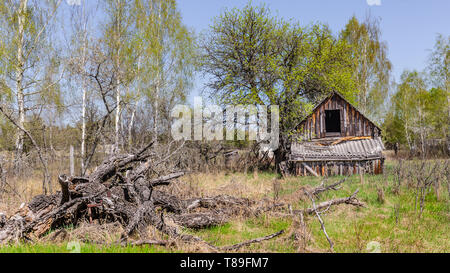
pixel 342 97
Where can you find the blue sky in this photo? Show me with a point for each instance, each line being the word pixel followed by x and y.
pixel 408 26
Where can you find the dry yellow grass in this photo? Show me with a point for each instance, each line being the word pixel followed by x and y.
pixel 350 229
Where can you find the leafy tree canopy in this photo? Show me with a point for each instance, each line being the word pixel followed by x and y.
pixel 252 57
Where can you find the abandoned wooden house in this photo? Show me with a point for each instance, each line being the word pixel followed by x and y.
pixel 336 139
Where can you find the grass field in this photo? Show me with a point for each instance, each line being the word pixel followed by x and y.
pixel 391 222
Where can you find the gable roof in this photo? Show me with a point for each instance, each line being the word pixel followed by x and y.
pixel 335 93
pixel 362 149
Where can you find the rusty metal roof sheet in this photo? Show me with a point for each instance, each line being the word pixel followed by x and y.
pixel 349 150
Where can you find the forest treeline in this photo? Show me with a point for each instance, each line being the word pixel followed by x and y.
pixel 107 73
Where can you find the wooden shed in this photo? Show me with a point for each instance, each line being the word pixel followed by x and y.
pixel 336 139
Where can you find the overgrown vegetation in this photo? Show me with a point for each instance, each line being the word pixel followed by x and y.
pixel 107 86
pixel 395 221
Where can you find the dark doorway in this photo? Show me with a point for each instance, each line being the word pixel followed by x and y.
pixel 333 121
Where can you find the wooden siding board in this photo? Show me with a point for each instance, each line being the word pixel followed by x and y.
pixel 353 123
pixel 347 130
pixel 316 125
pixel 358 133
pixel 364 127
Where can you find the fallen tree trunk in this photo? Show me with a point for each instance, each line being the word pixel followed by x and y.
pixel 99 196
pixel 121 190
pixel 225 204
pixel 351 200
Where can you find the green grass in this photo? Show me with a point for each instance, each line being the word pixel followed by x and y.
pixel 351 229
pixel 247 229
pixel 84 248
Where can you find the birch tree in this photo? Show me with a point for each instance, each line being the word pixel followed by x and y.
pixel 24 27
pixel 409 104
pixel 439 67
pixel 371 67
pixel 166 53
pixel 117 43
pixel 80 22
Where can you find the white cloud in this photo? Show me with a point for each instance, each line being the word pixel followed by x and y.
pixel 78 2
pixel 374 2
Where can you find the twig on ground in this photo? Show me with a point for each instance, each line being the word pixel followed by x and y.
pixel 321 221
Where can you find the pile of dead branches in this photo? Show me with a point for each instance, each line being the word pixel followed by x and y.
pixel 121 190
pixel 127 189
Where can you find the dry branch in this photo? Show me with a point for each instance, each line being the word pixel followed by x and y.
pixel 120 190
pixel 321 222
pixel 310 170
pixel 257 240
pixel 351 200
pixel 150 242
pixel 322 188
pixel 165 180
pixel 200 220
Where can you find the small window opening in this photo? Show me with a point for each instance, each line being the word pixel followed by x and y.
pixel 333 121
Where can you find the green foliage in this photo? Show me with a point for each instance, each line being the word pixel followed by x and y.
pixel 117 38
pixel 394 224
pixel 439 66
pixel 416 114
pixel 256 58
pixel 152 54
pixel 36 19
pixel 165 51
pixel 437 106
pixel 371 66
pixel 29 64
pixel 439 63
pixel 393 129
pixel 8 133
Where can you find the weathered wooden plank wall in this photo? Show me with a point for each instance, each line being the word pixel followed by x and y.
pixel 353 123
pixel 329 168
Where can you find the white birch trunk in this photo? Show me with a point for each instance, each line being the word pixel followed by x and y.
pixel 117 118
pixel 19 81
pixel 83 129
pixel 158 82
pixel 130 128
pixel 133 113
pixel 84 103
pixel 118 99
pixel 156 113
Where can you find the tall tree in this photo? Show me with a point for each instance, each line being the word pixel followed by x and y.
pixel 252 57
pixel 371 67
pixel 410 107
pixel 24 27
pixel 117 42
pixel 165 52
pixel 439 67
pixel 79 46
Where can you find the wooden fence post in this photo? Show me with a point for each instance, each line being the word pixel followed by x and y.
pixel 72 162
pixel 361 175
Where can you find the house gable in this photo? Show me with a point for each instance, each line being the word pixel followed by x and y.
pixel 336 117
